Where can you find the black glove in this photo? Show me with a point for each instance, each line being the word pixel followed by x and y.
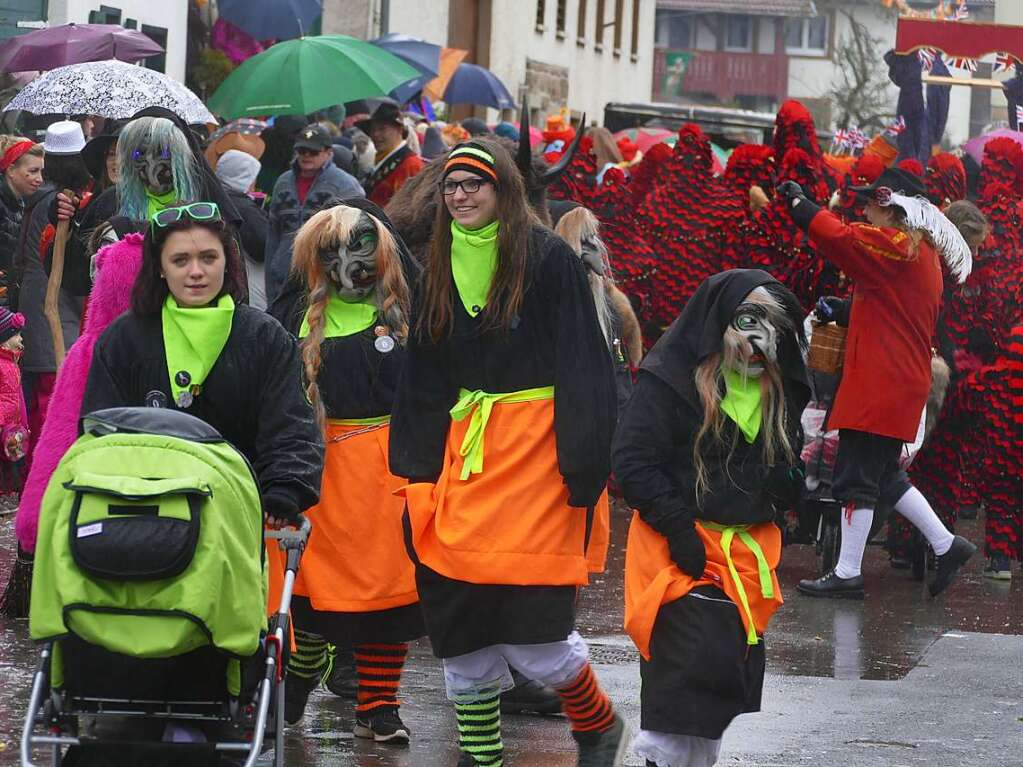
pixel 833 309
pixel 785 485
pixel 280 507
pixel 687 551
pixel 789 190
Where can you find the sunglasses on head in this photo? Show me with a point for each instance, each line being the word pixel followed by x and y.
pixel 196 211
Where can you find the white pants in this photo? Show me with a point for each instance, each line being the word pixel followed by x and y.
pixel 481 672
pixel 666 749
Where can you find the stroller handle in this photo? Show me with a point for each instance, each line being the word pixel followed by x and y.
pixel 294 536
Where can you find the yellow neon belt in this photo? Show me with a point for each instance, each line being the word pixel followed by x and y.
pixel 763 569
pixel 479 404
pixel 376 420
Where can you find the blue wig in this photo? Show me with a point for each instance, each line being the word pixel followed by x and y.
pixel 154 134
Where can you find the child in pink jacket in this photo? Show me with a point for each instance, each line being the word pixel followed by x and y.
pixel 13 418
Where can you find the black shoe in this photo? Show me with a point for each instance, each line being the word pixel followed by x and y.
pixel 834 587
pixel 529 697
pixel 343 680
pixel 603 749
pixel 465 760
pixel 296 694
pixel 950 562
pixel 383 726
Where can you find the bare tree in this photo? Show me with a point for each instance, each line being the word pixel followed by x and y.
pixel 859 91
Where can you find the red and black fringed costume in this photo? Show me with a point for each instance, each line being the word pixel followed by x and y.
pixel 750 165
pixel 945 179
pixel 685 218
pixel 972 332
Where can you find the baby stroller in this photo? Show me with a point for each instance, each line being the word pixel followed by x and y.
pixel 151 601
pixel 818 515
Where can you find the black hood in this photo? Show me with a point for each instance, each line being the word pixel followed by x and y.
pixel 211 187
pixel 699 330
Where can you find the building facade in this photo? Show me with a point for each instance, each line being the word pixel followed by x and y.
pixel 754 55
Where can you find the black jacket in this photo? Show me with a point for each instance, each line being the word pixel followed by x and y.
pixel 653 453
pixel 254 226
pixel 556 341
pixel 11 209
pixel 252 396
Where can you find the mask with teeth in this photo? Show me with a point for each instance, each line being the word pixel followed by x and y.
pixel 751 341
pixel 351 266
pixel 152 164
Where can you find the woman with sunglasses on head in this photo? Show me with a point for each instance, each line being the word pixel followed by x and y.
pixel 502 423
pixel 188 342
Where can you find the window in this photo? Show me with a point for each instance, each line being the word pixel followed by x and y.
pixel 159 36
pixel 580 27
pixel 807 36
pixel 635 29
pixel 673 30
pixel 619 13
pixel 105 15
pixel 599 35
pixel 738 33
pixel 560 20
pixel 541 11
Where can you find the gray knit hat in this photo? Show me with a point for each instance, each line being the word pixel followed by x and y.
pixel 237 170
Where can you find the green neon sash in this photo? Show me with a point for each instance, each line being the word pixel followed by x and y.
pixel 763 569
pixel 377 420
pixel 479 404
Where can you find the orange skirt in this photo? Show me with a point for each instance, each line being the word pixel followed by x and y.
pixel 510 524
pixel 356 559
pixel 652 579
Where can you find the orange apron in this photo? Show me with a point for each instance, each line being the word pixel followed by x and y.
pixel 356 560
pixel 652 579
pixel 499 511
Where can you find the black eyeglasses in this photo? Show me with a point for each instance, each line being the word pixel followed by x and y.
pixel 308 152
pixel 197 211
pixel 468 185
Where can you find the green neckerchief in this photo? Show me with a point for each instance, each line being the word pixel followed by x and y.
pixel 742 403
pixel 342 318
pixel 157 202
pixel 474 263
pixel 193 339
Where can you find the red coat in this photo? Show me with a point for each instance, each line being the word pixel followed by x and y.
pixel 896 297
pixel 383 189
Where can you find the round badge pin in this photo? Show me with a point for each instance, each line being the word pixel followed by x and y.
pixel 185 399
pixel 384 344
pixel 379 331
pixel 156 398
pixel 182 378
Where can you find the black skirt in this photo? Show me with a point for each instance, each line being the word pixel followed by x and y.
pixel 398 624
pixel 701 673
pixel 464 617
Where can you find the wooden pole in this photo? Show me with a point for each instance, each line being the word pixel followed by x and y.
pixel 51 305
pixel 977 82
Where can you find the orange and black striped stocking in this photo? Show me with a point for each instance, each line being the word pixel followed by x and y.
pixel 379 669
pixel 585 704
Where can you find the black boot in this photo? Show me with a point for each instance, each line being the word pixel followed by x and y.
pixel 297 690
pixel 834 587
pixel 529 697
pixel 950 562
pixel 343 680
pixel 603 749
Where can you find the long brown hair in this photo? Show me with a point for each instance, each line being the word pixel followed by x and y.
pixel 325 230
pixel 505 298
pixel 773 415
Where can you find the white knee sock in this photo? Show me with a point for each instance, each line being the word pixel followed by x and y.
pixel 855 532
pixel 914 507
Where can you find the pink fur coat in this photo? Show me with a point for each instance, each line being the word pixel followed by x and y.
pixel 117 265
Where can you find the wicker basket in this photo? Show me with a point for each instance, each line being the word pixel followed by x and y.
pixel 827 348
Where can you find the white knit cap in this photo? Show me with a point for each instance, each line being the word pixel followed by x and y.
pixel 64 137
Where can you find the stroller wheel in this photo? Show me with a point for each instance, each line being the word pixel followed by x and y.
pixel 830 542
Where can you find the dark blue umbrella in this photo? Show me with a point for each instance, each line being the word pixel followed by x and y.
pixel 406 92
pixel 472 84
pixel 272 19
pixel 423 56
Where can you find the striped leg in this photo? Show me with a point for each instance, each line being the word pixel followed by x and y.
pixel 585 704
pixel 379 668
pixel 479 728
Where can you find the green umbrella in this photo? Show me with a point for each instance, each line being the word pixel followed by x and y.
pixel 300 76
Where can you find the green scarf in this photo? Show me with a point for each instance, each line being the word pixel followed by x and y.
pixel 741 403
pixel 474 263
pixel 193 339
pixel 157 202
pixel 342 318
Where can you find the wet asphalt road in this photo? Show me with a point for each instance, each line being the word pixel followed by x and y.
pixel 899 679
